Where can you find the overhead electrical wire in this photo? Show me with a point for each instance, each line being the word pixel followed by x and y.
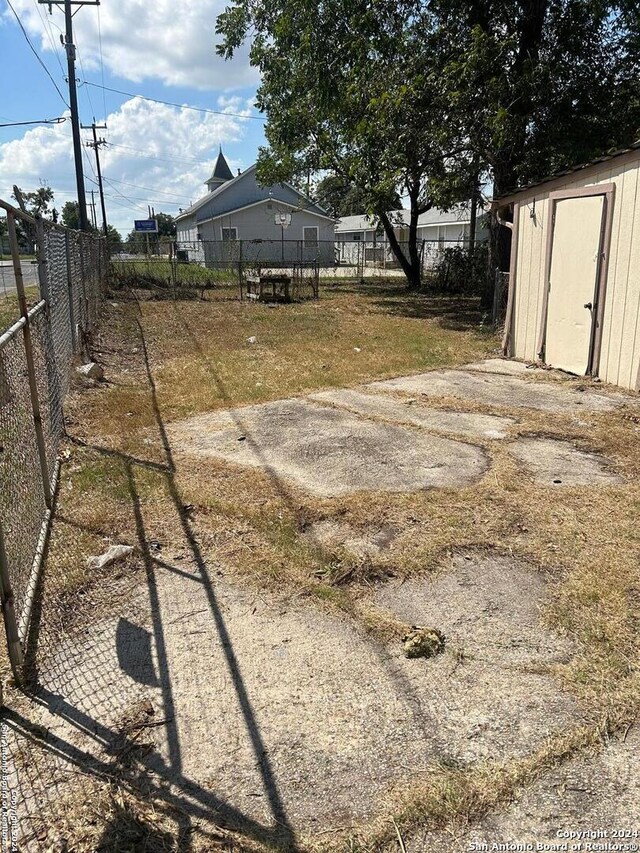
pixel 172 103
pixel 149 189
pixel 36 121
pixel 46 23
pixel 35 52
pixel 162 159
pixel 104 94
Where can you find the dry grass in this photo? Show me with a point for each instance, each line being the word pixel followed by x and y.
pixel 10 309
pixel 199 360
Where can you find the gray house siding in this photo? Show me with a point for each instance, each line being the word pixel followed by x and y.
pixel 250 208
pixel 276 243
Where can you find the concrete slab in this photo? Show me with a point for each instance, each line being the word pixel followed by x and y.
pixel 462 423
pixel 499 391
pixel 501 365
pixel 328 452
pixel 559 463
pixel 494 697
pixel 598 792
pixel 264 711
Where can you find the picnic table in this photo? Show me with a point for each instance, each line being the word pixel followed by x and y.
pixel 271 287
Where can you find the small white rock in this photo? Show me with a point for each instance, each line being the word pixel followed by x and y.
pixel 252 340
pixel 116 552
pixel 92 370
pixel 357 349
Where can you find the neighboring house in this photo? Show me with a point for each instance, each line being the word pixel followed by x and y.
pixel 453 226
pixel 574 282
pixel 239 217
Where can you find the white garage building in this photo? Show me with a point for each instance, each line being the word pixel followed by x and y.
pixel 574 284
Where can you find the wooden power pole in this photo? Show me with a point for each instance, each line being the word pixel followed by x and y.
pixel 96 146
pixel 73 97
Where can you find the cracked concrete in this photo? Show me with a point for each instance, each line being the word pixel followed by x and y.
pixel 329 452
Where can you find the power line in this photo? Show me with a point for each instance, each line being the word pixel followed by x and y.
pixel 162 159
pixel 104 95
pixel 35 53
pixel 36 121
pixel 171 103
pixel 122 195
pixel 46 23
pixel 88 93
pixel 149 189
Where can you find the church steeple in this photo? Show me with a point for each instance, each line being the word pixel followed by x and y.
pixel 221 173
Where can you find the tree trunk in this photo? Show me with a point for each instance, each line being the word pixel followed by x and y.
pixel 499 238
pixel 411 265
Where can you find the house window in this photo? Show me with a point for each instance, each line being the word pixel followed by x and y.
pixel 229 234
pixel 356 237
pixel 310 236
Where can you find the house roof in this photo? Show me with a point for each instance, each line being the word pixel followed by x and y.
pixel 610 155
pixel 218 191
pixel 435 216
pixel 194 208
pixel 223 213
pixel 221 170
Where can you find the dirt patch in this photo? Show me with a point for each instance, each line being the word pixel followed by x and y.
pixel 329 452
pixel 593 792
pixel 334 535
pixel 499 390
pixel 462 423
pixel 559 463
pixel 492 691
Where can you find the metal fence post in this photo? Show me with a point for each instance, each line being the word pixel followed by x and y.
pixel 16 656
pixel 28 350
pixel 41 253
pixel 67 249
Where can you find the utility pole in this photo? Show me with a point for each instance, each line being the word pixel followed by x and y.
pixel 93 209
pixel 73 97
pixel 96 145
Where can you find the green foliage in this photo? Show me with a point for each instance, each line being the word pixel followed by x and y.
pixel 71 215
pixel 426 99
pixel 460 271
pixel 342 199
pixel 348 87
pixel 539 86
pixel 166 225
pixel 114 240
pixel 36 202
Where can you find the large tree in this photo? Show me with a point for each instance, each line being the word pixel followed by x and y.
pixel 540 85
pixel 348 87
pixel 426 98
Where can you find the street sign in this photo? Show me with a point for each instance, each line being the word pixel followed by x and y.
pixel 150 226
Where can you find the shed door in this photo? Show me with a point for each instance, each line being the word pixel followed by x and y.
pixel 575 263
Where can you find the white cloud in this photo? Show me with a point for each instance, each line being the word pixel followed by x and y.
pixel 180 147
pixel 171 42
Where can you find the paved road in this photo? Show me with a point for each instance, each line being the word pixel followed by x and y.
pixel 7 278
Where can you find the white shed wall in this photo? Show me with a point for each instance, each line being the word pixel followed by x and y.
pixel 620 348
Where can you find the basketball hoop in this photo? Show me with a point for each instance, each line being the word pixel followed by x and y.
pixel 283 219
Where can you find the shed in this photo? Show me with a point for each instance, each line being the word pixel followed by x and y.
pixel 574 283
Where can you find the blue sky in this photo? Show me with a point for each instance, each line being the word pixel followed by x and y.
pixel 156 154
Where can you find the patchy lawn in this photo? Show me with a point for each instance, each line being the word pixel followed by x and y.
pixel 266 545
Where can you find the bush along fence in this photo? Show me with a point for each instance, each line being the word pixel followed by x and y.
pixel 36 354
pixel 195 267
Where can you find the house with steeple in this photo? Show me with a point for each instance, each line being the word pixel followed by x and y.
pixel 238 214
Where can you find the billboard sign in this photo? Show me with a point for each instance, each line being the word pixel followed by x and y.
pixel 148 226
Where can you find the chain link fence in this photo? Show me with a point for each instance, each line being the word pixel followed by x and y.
pixel 37 347
pixel 179 269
